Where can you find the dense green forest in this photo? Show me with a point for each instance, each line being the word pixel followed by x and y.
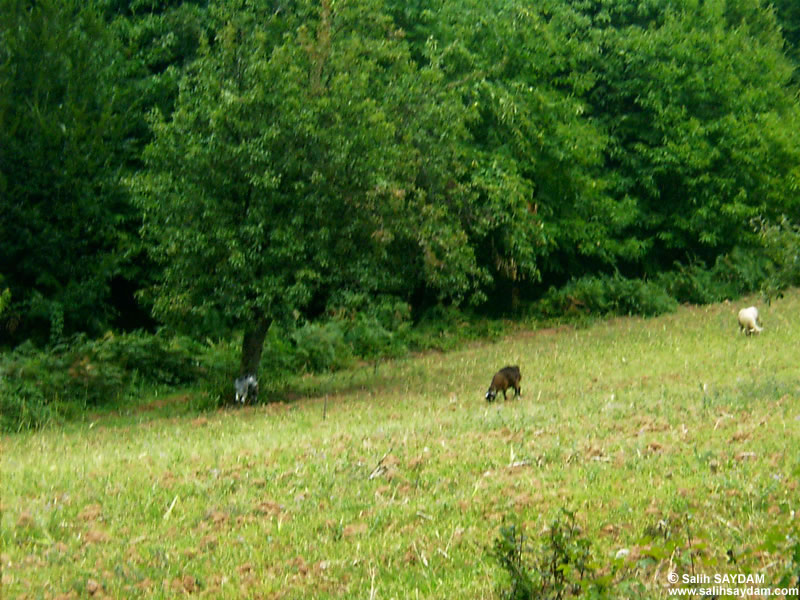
pixel 229 167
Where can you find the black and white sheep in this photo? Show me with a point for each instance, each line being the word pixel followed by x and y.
pixel 246 389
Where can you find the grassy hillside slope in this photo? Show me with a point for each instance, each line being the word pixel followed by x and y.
pixel 674 440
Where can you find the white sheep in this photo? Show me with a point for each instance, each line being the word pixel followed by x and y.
pixel 748 320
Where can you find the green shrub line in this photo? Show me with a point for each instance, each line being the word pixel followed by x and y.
pixel 43 386
pixel 40 386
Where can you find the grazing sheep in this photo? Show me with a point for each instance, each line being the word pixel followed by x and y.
pixel 748 320
pixel 246 388
pixel 505 378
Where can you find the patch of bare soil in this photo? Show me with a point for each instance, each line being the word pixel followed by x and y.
pixel 163 402
pixel 545 331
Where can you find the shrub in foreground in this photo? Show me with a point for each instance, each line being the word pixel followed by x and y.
pixel 559 565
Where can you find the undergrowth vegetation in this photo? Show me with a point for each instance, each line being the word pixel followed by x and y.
pixel 49 384
pixel 558 564
pixel 60 381
pixel 40 386
pixel 772 268
pixel 67 378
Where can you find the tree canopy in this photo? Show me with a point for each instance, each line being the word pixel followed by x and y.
pixel 302 165
pixel 245 163
pixel 66 223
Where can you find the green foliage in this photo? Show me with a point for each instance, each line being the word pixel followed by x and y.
pixel 216 373
pixel 739 272
pixel 286 155
pixel 734 274
pixel 618 135
pixel 374 327
pixel 23 406
pixel 787 13
pixel 66 224
pixel 301 162
pixel 46 386
pixel 333 344
pixel 278 359
pixel 694 283
pixel 368 338
pixel 560 566
pixel 446 327
pixel 771 267
pixel 43 386
pixel 321 347
pixel 702 119
pixel 288 170
pixel 604 295
pixel 5 298
pixel 160 39
pixel 781 240
pixel 539 196
pixel 158 358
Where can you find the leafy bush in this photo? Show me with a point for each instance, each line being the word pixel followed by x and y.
pixel 40 387
pixel 445 327
pixel 216 373
pixel 772 267
pixel 372 327
pixel 693 283
pixel 734 274
pixel 358 329
pixel 157 358
pixel 5 297
pixel 740 272
pixel 43 385
pixel 439 327
pixel 278 356
pixel 602 295
pixel 321 347
pixel 24 406
pixel 368 338
pixel 782 246
pixel 560 566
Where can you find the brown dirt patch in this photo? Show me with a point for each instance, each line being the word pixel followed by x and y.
pixel 163 402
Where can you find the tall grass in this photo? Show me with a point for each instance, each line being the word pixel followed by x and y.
pixel 673 441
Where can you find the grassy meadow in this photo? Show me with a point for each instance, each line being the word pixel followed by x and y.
pixel 675 441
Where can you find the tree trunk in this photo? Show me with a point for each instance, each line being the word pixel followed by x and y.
pixel 255 331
